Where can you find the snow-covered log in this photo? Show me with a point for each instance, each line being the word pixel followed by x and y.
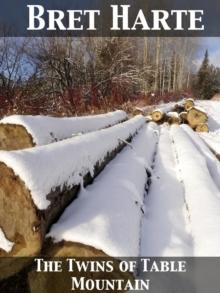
pixel 173 118
pixel 107 215
pixel 212 139
pixel 206 152
pixel 201 194
pixel 188 104
pixel 37 184
pixel 196 116
pixel 183 117
pixel 19 131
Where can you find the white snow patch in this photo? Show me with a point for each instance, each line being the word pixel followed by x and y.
pixel 5 244
pixel 45 129
pixel 66 162
pixel 107 215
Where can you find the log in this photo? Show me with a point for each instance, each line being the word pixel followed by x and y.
pixel 203 127
pixel 95 225
pixel 157 115
pixel 183 117
pixel 44 282
pixel 138 111
pixel 36 185
pixel 188 104
pixel 14 137
pixel 173 118
pixel 20 131
pixel 178 108
pixel 196 116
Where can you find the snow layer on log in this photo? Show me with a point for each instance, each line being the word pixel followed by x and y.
pixel 66 162
pixel 107 215
pixel 213 110
pixel 5 244
pixel 212 163
pixel 165 228
pixel 213 140
pixel 45 130
pixel 201 193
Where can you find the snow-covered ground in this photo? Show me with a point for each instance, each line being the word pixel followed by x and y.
pixel 45 129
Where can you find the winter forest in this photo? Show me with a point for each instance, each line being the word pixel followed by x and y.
pixel 75 76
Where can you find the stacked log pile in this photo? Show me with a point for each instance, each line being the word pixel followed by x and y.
pixel 183 113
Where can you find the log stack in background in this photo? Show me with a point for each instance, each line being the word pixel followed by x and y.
pixel 184 112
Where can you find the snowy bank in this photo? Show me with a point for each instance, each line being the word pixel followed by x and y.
pixel 45 129
pixel 107 215
pixel 201 194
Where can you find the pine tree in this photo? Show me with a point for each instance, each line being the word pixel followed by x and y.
pixel 206 83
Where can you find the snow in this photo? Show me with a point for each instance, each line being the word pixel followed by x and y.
pixel 213 140
pixel 45 130
pixel 165 228
pixel 66 162
pixel 107 214
pixel 173 114
pixel 5 244
pixel 213 110
pixel 212 163
pixel 201 194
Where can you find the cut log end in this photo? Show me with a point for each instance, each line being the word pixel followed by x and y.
pixel 203 127
pixel 189 103
pixel 157 116
pixel 14 137
pixel 183 117
pixel 196 117
pixel 16 206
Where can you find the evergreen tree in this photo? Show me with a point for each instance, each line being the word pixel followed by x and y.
pixel 207 81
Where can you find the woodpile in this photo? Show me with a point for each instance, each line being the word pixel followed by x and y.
pixel 183 113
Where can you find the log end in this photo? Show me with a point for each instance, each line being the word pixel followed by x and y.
pixel 203 127
pixel 18 217
pixel 157 116
pixel 14 137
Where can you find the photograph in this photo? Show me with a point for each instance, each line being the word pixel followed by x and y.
pixel 109 146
